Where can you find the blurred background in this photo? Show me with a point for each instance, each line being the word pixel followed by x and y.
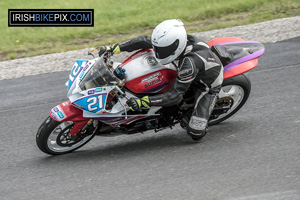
pixel 123 19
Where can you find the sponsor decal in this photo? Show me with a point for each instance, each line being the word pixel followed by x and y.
pixel 187 78
pixel 51 17
pixel 211 60
pixel 153 82
pixel 91 92
pixel 157 101
pixel 197 123
pixel 60 114
pixel 98 90
pixel 86 66
pixel 53 115
pixel 81 74
pixel 185 72
pixel 151 77
pixel 57 113
pixel 55 109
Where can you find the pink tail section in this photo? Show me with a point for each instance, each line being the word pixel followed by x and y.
pixel 243 64
pixel 224 40
pixel 240 69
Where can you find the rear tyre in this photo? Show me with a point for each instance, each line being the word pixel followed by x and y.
pixel 54 137
pixel 237 88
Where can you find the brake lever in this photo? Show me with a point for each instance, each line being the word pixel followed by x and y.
pixel 90 52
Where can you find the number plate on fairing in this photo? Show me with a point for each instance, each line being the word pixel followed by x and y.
pixel 76 69
pixel 92 103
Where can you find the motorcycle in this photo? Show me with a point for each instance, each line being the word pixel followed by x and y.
pixel 97 97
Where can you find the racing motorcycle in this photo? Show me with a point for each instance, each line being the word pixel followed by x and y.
pixel 97 97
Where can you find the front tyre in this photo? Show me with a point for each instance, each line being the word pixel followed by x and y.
pixel 236 91
pixel 54 137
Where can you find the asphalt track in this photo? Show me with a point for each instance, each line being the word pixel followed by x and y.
pixel 255 155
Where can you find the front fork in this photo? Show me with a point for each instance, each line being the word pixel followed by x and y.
pixel 67 112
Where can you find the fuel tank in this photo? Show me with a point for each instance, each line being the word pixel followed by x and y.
pixel 144 74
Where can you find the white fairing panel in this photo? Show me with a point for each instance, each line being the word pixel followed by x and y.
pixel 143 63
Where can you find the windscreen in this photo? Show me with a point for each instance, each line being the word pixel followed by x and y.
pixel 99 75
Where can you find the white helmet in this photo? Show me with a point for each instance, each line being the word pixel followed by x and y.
pixel 169 40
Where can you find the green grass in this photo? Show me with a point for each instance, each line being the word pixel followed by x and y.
pixel 119 20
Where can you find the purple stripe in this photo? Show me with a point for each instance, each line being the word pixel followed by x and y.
pixel 111 118
pixel 242 42
pixel 156 89
pixel 243 59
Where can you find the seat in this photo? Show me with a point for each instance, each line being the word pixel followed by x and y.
pixel 231 52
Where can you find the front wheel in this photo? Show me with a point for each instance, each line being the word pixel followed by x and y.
pixel 54 137
pixel 234 94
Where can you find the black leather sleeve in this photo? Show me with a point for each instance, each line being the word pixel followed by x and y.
pixel 186 74
pixel 141 42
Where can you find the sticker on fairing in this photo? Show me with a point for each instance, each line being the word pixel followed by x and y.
pixel 76 69
pixel 93 103
pixel 57 113
pixel 95 90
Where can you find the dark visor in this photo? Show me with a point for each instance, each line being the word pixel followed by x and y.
pixel 163 52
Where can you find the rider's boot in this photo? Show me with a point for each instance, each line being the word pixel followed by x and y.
pixel 197 128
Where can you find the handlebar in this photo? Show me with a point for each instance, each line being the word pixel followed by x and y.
pixel 106 55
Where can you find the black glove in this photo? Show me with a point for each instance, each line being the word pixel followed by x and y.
pixel 115 48
pixel 137 103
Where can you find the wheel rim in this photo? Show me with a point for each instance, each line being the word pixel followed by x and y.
pixel 237 93
pixel 60 139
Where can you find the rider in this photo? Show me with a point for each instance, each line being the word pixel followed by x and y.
pixel 197 66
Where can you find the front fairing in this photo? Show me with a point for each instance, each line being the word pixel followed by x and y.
pixel 98 75
pixel 90 84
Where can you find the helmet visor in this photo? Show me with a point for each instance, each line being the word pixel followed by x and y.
pixel 163 52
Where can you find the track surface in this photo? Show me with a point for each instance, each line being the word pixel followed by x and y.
pixel 255 155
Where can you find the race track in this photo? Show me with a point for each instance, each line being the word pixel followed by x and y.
pixel 255 155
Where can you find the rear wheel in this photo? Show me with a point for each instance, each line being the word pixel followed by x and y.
pixel 54 137
pixel 233 95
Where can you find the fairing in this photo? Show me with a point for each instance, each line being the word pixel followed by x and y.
pixel 244 58
pixel 66 112
pixel 145 75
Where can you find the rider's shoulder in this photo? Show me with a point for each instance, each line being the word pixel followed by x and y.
pixel 197 43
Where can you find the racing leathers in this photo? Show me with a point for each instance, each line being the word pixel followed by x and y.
pixel 199 68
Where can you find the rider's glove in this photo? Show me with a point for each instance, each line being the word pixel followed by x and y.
pixel 119 72
pixel 136 104
pixel 115 48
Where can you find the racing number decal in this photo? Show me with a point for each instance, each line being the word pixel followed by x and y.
pixel 93 102
pixel 74 72
pixel 77 68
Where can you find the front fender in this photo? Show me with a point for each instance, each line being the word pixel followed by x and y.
pixel 67 112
